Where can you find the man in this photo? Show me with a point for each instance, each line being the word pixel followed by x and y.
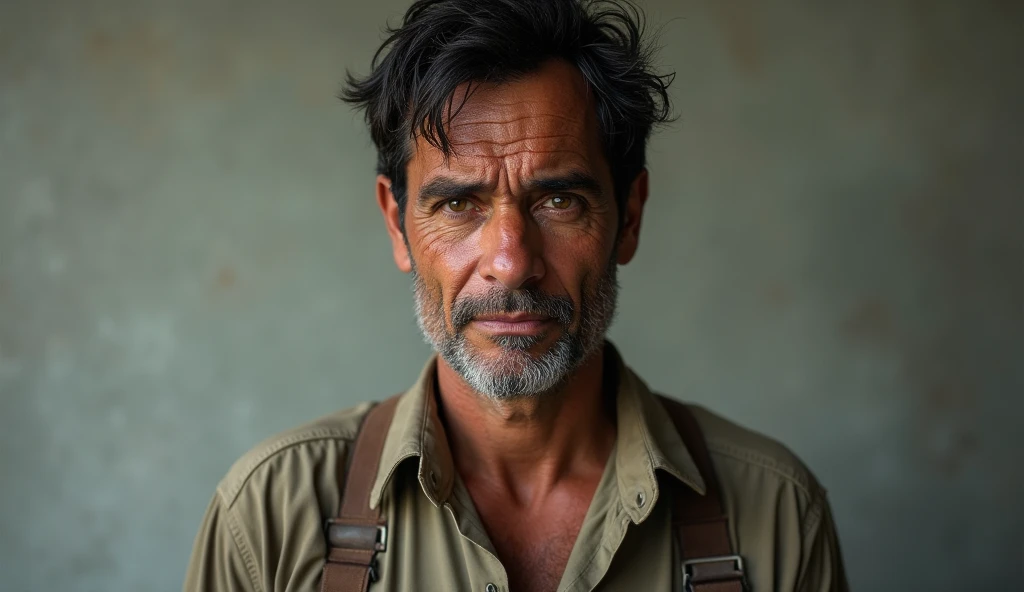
pixel 528 457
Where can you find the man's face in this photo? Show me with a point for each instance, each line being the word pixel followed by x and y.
pixel 513 241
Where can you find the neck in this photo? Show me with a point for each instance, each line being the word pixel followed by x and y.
pixel 527 446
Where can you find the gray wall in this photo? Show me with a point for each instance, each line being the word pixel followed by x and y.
pixel 191 260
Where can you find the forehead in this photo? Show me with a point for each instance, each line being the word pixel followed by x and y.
pixel 542 120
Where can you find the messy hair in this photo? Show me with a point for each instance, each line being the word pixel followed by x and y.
pixel 442 44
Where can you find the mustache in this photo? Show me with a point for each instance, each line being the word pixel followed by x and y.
pixel 526 300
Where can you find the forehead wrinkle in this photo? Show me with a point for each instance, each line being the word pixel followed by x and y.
pixel 509 134
pixel 516 140
pixel 525 126
pixel 495 149
pixel 458 122
pixel 506 166
pixel 489 167
pixel 513 123
pixel 494 139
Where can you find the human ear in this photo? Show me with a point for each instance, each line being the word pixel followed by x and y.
pixel 629 234
pixel 389 208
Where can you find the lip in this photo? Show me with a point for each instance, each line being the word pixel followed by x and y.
pixel 512 324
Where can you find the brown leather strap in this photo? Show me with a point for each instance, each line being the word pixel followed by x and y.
pixel 359 532
pixel 702 526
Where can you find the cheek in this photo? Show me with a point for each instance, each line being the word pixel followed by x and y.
pixel 445 258
pixel 578 258
pixel 590 238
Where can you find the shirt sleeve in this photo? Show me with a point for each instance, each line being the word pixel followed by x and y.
pixel 822 567
pixel 220 560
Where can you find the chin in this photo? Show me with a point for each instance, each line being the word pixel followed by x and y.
pixel 516 343
pixel 503 359
pixel 535 345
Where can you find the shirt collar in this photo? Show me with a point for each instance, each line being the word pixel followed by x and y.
pixel 646 441
pixel 416 432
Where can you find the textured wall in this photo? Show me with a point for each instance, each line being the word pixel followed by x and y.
pixel 190 260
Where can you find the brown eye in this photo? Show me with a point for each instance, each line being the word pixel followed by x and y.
pixel 560 202
pixel 458 205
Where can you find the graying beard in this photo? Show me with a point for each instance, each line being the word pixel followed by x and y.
pixel 516 342
pixel 516 374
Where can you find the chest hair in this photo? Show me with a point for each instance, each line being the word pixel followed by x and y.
pixel 535 552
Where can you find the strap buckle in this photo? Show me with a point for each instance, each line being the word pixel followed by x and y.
pixel 381 544
pixel 352 535
pixel 345 535
pixel 705 570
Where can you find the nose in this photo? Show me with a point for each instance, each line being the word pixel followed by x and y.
pixel 511 245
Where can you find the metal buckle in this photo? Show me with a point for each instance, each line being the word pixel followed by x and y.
pixel 688 564
pixel 361 534
pixel 380 546
pixel 382 538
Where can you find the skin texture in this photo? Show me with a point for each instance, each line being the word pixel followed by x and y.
pixel 531 464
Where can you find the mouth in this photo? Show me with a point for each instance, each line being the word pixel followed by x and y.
pixel 512 323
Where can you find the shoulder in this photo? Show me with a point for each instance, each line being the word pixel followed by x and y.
pixel 296 450
pixel 742 454
pixel 779 516
pixel 267 515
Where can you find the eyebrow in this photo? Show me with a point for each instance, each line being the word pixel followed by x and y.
pixel 574 181
pixel 447 188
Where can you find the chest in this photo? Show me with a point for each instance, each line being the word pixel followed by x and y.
pixel 452 548
pixel 535 544
pixel 535 549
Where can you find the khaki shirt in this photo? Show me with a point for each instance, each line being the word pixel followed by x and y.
pixel 263 530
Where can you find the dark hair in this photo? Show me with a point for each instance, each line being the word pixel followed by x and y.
pixel 445 43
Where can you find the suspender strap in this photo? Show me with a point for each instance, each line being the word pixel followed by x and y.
pixel 701 524
pixel 359 533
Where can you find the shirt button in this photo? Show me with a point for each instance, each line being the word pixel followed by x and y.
pixel 433 478
pixel 640 499
pixel 490 588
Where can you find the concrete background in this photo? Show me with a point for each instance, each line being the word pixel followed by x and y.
pixel 191 260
